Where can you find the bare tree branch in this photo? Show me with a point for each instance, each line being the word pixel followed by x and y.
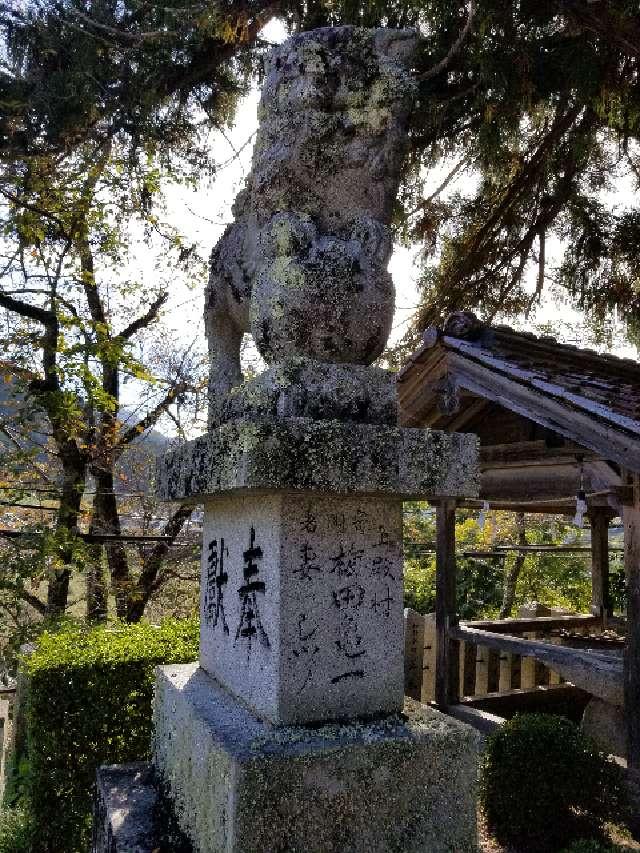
pixel 32 312
pixel 145 320
pixel 151 418
pixel 149 580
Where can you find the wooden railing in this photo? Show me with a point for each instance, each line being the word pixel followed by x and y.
pixel 501 656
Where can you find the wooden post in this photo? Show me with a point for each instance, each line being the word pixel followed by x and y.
pixel 528 667
pixel 429 666
pixel 506 667
pixel 447 665
pixel 482 671
pixel 599 518
pixel 413 653
pixel 554 677
pixel 631 518
pixel 462 663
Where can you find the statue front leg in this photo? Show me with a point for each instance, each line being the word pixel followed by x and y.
pixel 225 373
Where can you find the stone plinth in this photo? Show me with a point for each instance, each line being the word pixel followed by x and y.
pixel 125 810
pixel 300 454
pixel 299 387
pixel 301 606
pixel 402 783
pixel 606 724
pixel 131 815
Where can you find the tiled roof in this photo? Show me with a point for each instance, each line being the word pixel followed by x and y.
pixel 603 385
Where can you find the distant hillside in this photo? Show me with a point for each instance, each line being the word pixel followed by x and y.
pixel 13 407
pixel 136 469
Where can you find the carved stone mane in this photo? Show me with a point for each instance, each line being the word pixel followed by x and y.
pixel 304 266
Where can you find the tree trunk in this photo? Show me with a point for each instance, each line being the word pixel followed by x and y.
pixel 107 520
pixel 97 591
pixel 97 587
pixel 73 483
pixel 58 592
pixel 512 575
pixel 147 583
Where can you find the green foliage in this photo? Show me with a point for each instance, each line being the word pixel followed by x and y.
pixel 15 830
pixel 90 695
pixel 535 127
pixel 479 582
pixel 539 102
pixel 92 71
pixel 557 580
pixel 542 781
pixel 420 585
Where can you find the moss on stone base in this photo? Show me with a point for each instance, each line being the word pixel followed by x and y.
pixel 401 784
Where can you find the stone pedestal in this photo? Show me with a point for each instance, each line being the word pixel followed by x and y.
pixel 301 605
pixel 606 724
pixel 289 735
pixel 125 813
pixel 402 783
pixel 301 612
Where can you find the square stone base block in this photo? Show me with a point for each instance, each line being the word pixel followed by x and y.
pixel 124 818
pixel 399 784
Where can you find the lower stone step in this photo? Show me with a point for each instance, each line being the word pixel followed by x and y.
pixel 130 815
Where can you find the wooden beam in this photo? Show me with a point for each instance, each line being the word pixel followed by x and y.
pixel 549 549
pixel 555 480
pixel 548 507
pixel 467 414
pixel 598 672
pixel 543 507
pixel 599 520
pixel 539 623
pixel 521 453
pixel 447 664
pixel 631 518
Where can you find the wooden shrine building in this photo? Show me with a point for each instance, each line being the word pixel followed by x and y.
pixel 554 423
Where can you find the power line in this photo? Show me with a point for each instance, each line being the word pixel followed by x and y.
pixel 45 491
pixel 102 537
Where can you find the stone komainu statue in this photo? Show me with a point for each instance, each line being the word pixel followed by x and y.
pixel 304 265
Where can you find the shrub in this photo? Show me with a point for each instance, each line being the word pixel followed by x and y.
pixel 543 782
pixel 89 703
pixel 15 831
pixel 591 846
pixel 420 585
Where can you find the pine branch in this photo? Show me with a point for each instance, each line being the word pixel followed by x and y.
pixel 441 66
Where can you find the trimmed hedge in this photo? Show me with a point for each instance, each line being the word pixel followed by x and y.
pixel 544 783
pixel 89 703
pixel 15 830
